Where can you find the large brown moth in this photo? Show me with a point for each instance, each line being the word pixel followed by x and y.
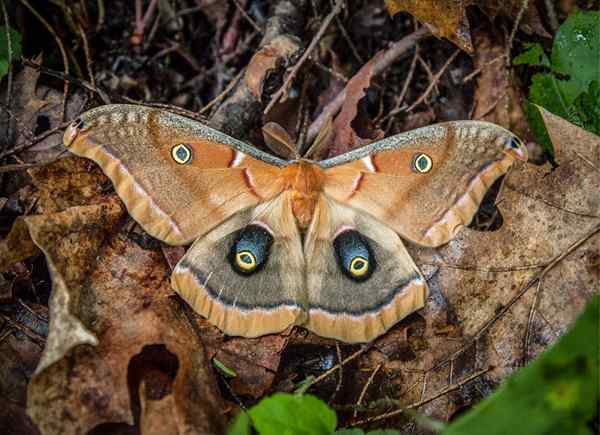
pixel 279 243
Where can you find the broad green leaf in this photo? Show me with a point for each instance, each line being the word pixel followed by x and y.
pixel 587 109
pixel 568 90
pixel 534 56
pixel 290 414
pixel 242 425
pixel 556 394
pixel 537 126
pixel 576 53
pixel 15 40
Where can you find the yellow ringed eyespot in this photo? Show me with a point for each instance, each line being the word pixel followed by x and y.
pixel 245 260
pixel 181 153
pixel 359 266
pixel 422 163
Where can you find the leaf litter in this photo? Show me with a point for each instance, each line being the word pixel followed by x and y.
pixel 122 348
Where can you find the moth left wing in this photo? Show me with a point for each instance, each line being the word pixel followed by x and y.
pixel 360 278
pixel 426 184
pixel 247 275
pixel 177 177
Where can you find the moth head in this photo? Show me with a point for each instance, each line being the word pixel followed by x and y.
pixel 251 249
pixel 182 153
pixel 516 148
pixel 421 163
pixel 72 131
pixel 354 255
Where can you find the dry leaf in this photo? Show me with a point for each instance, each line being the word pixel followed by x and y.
pixel 448 18
pixel 115 327
pixel 279 50
pixel 254 360
pixel 496 98
pixel 499 298
pixel 345 137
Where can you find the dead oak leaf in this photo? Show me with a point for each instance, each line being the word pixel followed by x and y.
pixel 499 298
pixel 448 18
pixel 124 309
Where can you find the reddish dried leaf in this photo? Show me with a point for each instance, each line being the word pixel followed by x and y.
pixel 496 98
pixel 268 58
pixel 255 362
pixel 111 307
pixel 69 182
pixel 345 137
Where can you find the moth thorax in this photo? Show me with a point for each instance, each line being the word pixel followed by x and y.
pixel 305 181
pixel 303 206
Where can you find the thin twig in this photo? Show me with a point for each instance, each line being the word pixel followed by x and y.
pixel 10 68
pixel 223 94
pixel 288 80
pixel 345 35
pixel 63 53
pixel 34 336
pixel 247 17
pixel 398 104
pixel 478 71
pixel 366 387
pixel 103 96
pixel 529 323
pixel 550 265
pixel 420 403
pixel 513 32
pixel 88 57
pixel 340 372
pixel 434 81
pixel 337 366
pixel 390 55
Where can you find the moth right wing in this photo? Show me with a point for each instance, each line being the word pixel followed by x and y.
pixel 360 278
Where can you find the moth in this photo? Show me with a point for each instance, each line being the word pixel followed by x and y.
pixel 279 243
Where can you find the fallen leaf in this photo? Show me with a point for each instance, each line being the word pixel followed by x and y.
pixel 122 308
pixel 448 18
pixel 498 298
pixel 277 52
pixel 496 97
pixel 254 360
pixel 345 136
pixel 120 348
pixel 17 245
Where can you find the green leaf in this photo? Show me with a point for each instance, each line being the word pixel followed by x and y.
pixel 242 425
pixel 587 108
pixel 289 414
pixel 576 53
pixel 556 394
pixel 567 91
pixel 15 40
pixel 534 56
pixel 536 122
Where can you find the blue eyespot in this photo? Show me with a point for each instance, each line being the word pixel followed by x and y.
pixel 181 153
pixel 354 255
pixel 250 250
